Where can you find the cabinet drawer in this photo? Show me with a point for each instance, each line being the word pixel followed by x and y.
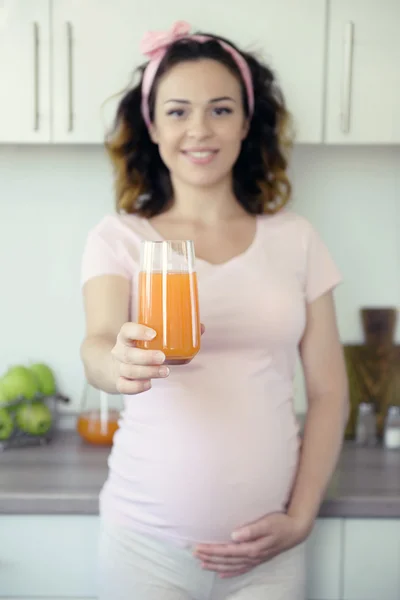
pixel 48 556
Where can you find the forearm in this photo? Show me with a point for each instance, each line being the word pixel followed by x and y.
pixel 99 363
pixel 322 442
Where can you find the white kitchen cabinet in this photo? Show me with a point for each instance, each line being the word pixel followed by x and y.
pixel 25 72
pixel 48 556
pixel 363 77
pixel 324 560
pixel 96 49
pixel 45 557
pixel 371 559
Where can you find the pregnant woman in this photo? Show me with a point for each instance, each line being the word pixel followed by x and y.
pixel 210 494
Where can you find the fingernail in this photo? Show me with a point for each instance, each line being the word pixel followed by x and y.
pixel 159 357
pixel 147 385
pixel 163 371
pixel 150 334
pixel 236 537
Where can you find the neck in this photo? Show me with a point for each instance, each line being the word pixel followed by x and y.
pixel 204 204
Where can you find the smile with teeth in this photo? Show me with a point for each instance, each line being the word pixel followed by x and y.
pixel 200 153
pixel 200 157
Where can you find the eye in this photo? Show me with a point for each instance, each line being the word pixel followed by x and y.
pixel 176 112
pixel 222 110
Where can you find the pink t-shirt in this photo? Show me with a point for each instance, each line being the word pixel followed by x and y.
pixel 215 445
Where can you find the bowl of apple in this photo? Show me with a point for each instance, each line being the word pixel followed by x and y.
pixel 29 402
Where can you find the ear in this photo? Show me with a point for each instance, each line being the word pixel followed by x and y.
pixel 153 133
pixel 245 128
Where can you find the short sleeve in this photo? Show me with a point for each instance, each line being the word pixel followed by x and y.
pixel 103 255
pixel 322 274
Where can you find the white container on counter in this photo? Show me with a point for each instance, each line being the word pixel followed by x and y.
pixel 391 439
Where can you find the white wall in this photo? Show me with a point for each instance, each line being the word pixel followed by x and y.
pixel 50 196
pixel 352 196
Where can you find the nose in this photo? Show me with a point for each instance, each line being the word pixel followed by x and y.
pixel 199 126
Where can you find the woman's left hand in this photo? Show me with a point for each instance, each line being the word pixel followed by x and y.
pixel 253 544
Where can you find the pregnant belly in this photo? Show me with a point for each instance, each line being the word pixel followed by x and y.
pixel 200 483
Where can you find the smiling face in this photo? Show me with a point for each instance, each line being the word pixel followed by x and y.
pixel 199 122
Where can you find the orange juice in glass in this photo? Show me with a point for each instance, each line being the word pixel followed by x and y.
pixel 168 299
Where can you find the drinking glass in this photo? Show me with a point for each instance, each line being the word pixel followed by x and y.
pixel 168 299
pixel 99 415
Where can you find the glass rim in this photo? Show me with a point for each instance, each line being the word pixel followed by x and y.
pixel 167 242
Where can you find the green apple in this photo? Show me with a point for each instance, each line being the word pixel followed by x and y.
pixel 45 377
pixel 34 418
pixel 3 395
pixel 20 381
pixel 15 370
pixel 6 424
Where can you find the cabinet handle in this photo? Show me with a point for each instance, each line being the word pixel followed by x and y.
pixel 347 76
pixel 70 78
pixel 36 116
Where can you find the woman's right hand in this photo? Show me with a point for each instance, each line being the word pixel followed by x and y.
pixel 134 367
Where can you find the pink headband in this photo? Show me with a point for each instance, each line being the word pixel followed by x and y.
pixel 155 45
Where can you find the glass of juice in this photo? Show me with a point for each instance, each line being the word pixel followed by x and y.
pixel 168 299
pixel 99 415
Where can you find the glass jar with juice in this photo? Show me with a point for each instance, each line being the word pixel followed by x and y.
pixel 98 419
pixel 168 299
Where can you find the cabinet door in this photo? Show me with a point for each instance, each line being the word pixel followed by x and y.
pixel 96 49
pixel 324 578
pixel 363 96
pixel 24 68
pixel 48 557
pixel 290 36
pixel 371 559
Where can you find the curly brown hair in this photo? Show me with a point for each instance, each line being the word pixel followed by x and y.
pixel 260 179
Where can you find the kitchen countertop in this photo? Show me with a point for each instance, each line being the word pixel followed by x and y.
pixel 66 476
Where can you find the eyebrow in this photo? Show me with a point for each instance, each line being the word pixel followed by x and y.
pixel 213 100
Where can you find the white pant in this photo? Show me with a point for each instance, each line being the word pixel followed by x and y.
pixel 137 567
